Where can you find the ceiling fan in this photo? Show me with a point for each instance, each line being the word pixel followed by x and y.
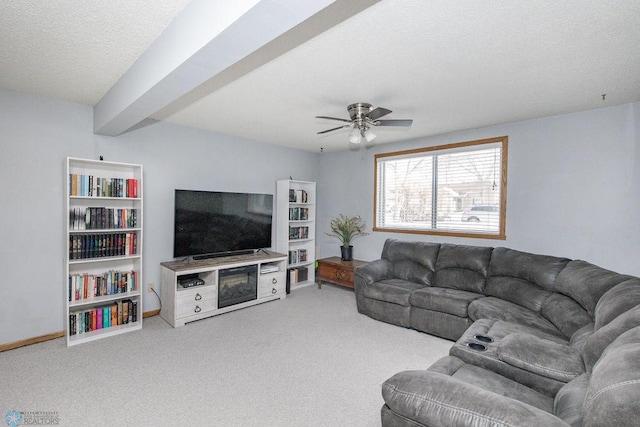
pixel 363 118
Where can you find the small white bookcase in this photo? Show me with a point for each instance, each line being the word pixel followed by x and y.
pixel 103 249
pixel 296 230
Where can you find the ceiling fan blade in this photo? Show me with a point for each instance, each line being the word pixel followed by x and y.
pixel 394 122
pixel 330 130
pixel 333 118
pixel 377 113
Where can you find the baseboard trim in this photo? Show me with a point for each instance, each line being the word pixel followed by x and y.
pixel 150 313
pixel 54 335
pixel 29 341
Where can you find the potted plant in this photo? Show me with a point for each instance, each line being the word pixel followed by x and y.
pixel 345 228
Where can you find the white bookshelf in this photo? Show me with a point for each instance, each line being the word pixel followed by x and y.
pixel 103 247
pixel 296 230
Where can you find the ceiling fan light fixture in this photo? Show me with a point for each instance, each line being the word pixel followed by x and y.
pixel 354 135
pixel 369 135
pixel 362 117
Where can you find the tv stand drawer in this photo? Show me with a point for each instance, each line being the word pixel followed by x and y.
pixel 196 301
pixel 271 284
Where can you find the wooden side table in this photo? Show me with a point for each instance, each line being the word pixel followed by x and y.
pixel 334 270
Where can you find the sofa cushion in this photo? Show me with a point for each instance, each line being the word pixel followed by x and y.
pixel 444 300
pixel 580 337
pixel 462 267
pixel 490 381
pixel 439 324
pixel 616 301
pixel 396 291
pixel 431 398
pixel 373 271
pixel 412 271
pixel 540 270
pixel 497 331
pixel 613 394
pixel 523 278
pixel 517 291
pixel 600 339
pixel 565 313
pixel 569 402
pixel 542 357
pixel 495 308
pixel 586 283
pixel 412 261
pixel 422 253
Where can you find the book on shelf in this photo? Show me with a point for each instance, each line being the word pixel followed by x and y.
pixel 298 275
pixel 297 256
pixel 102 317
pixel 298 214
pixel 303 274
pixel 298 196
pixel 301 232
pixel 86 246
pixel 133 308
pixel 294 214
pixel 125 312
pixel 84 286
pixel 97 218
pixel 119 312
pixel 94 186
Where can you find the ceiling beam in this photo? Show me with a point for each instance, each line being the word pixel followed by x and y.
pixel 203 41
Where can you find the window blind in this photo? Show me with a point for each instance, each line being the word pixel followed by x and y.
pixel 449 189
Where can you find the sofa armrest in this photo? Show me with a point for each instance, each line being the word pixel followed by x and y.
pixel 374 271
pixel 436 399
pixel 542 357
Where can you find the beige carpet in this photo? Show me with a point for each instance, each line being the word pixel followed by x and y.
pixel 309 360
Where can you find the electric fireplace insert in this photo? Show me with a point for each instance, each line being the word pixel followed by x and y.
pixel 237 285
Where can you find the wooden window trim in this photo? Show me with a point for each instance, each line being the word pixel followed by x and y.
pixel 501 235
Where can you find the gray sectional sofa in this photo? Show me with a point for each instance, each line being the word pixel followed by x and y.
pixel 540 340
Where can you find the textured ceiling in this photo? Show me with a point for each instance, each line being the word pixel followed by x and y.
pixel 76 49
pixel 447 65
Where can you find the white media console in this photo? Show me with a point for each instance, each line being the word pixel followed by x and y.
pixel 195 289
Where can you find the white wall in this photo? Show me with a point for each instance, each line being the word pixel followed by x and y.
pixel 573 188
pixel 37 134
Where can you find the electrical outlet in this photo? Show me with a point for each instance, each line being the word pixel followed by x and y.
pixel 149 288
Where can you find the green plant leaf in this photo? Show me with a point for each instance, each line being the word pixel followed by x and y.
pixel 345 228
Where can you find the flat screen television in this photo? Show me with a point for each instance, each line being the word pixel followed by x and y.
pixel 216 223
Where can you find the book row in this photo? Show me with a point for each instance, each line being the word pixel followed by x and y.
pixel 297 275
pixel 102 218
pixel 118 313
pixel 83 246
pixel 298 196
pixel 298 233
pixel 93 186
pixel 297 256
pixel 298 214
pixel 84 286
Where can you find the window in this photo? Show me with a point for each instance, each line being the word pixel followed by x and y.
pixel 456 190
